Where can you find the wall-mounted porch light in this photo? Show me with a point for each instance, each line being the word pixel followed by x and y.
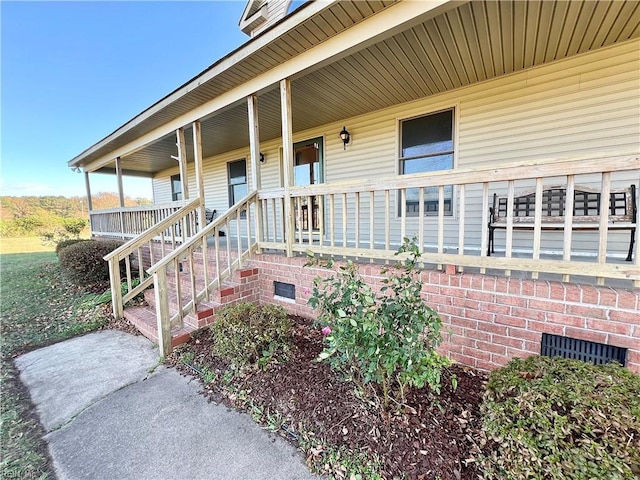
pixel 262 159
pixel 345 136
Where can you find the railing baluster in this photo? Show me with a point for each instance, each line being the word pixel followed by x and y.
pixel 140 264
pixel 484 236
pixel 357 219
pixel 509 241
pixel 176 274
pixel 372 216
pixel 344 221
pixel 421 219
pixel 239 234
pixel 387 221
pixel 332 218
pixel 310 218
pixel 274 213
pixel 321 220
pixel 192 279
pixel 283 224
pixel 216 241
pixel 228 228
pixel 403 215
pixel 299 217
pixel 127 264
pixel 537 223
pixel 461 218
pixel 605 198
pixel 265 221
pixel 440 220
pixel 248 218
pixel 568 222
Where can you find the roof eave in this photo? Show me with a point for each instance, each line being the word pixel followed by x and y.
pixel 223 64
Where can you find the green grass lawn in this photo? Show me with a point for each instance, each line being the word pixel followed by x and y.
pixel 23 245
pixel 38 306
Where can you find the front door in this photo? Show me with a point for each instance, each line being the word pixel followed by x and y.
pixel 308 170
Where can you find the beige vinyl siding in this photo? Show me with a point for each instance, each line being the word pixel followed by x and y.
pixel 276 9
pixel 214 171
pixel 162 187
pixel 585 105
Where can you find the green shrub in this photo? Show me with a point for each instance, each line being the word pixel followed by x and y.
pixel 83 262
pixel 249 334
pixel 74 226
pixel 555 418
pixel 61 245
pixel 387 339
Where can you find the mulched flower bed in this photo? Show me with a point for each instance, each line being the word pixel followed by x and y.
pixel 428 437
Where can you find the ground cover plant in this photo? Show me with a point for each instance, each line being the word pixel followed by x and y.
pixel 39 306
pixel 554 418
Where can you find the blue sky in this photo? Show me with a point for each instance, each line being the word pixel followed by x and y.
pixel 73 72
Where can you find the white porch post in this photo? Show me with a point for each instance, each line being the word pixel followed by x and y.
pixel 87 186
pixel 120 194
pixel 287 158
pixel 197 157
pixel 182 161
pixel 254 145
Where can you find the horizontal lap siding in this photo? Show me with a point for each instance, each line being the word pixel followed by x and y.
pixel 161 188
pixel 586 105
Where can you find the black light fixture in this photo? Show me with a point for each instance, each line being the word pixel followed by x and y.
pixel 345 136
pixel 262 159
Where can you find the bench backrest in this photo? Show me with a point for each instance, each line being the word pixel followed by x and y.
pixel 586 205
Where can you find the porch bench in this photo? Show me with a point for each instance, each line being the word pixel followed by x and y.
pixel 210 215
pixel 586 211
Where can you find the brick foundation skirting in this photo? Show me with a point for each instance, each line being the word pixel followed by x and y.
pixel 491 319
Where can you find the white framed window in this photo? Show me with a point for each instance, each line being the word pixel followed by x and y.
pixel 176 188
pixel 237 180
pixel 427 145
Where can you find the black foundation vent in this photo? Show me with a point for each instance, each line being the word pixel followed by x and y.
pixel 592 352
pixel 285 290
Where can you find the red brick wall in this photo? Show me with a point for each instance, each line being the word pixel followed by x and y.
pixel 491 319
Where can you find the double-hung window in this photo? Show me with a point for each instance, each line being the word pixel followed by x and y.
pixel 427 145
pixel 176 188
pixel 237 175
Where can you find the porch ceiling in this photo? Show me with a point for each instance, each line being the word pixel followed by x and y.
pixel 476 41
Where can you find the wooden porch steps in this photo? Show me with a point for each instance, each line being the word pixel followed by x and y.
pixel 145 320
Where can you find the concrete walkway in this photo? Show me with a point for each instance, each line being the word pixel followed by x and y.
pixel 112 412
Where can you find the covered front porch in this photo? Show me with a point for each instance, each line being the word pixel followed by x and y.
pixel 546 121
pixel 536 281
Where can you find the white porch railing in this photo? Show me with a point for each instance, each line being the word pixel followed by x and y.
pixel 129 222
pixel 132 258
pixel 188 267
pixel 448 212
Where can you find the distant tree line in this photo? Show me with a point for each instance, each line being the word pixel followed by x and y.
pixel 54 216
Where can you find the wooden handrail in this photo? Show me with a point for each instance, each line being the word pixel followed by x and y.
pixel 463 176
pixel 206 231
pixel 141 208
pixel 160 269
pixel 135 245
pixel 153 231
